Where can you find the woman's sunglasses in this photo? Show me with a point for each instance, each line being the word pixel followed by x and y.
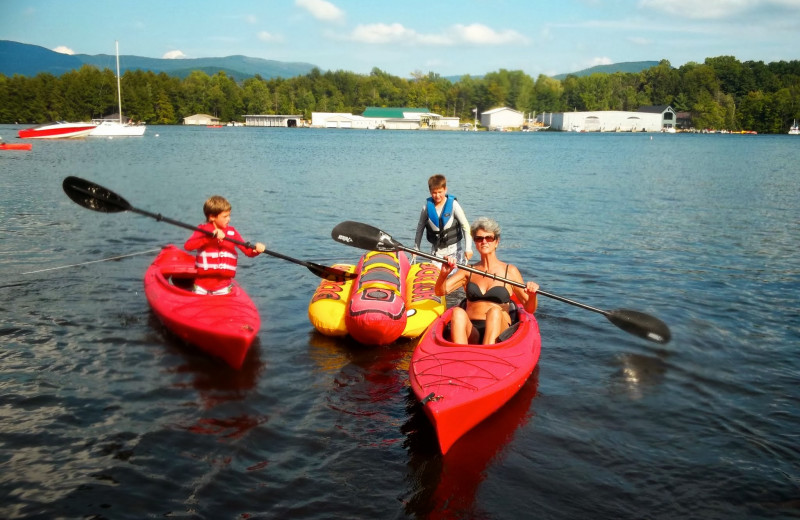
pixel 480 238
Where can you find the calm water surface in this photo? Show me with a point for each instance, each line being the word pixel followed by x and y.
pixel 104 415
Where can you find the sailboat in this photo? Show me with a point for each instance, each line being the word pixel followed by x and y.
pixel 794 130
pixel 111 128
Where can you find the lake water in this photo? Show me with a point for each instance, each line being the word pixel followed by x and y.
pixel 104 415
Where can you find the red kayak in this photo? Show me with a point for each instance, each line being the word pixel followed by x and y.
pixel 222 325
pixel 461 385
pixel 15 146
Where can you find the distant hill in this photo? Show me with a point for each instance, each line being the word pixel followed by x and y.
pixel 628 66
pixel 30 60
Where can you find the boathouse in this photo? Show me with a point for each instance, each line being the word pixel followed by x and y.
pixel 646 119
pixel 669 118
pixel 388 118
pixel 275 120
pixel 502 118
pixel 201 119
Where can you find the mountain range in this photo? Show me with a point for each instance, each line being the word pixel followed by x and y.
pixel 30 60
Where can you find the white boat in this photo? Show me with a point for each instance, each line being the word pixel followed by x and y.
pixel 794 130
pixel 110 128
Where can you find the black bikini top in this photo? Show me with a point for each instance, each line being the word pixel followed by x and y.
pixel 497 294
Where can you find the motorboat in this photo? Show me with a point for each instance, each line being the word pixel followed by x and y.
pixel 58 130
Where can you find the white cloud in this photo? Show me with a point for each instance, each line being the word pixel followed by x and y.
pixel 321 10
pixel 601 61
pixel 251 19
pixel 714 9
pixel 474 34
pixel 64 50
pixel 173 55
pixel 706 9
pixel 482 35
pixel 639 40
pixel 265 36
pixel 382 33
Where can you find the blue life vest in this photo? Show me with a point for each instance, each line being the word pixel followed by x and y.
pixel 435 230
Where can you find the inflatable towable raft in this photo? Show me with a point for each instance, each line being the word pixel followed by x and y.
pixel 461 385
pixel 221 325
pixel 387 299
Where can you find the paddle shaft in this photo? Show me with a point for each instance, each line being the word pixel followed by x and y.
pixel 249 245
pixel 504 280
pixel 364 236
pixel 109 197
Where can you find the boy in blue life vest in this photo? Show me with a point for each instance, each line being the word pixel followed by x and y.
pixel 444 222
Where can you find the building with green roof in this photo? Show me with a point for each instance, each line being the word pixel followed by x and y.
pixel 391 112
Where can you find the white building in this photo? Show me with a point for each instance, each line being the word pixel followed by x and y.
pixel 341 120
pixel 385 118
pixel 291 121
pixel 502 118
pixel 646 119
pixel 201 119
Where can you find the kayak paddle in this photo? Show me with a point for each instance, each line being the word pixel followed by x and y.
pixel 364 236
pixel 97 198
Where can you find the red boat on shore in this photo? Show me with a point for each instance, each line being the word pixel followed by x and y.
pixel 221 325
pixel 461 385
pixel 59 130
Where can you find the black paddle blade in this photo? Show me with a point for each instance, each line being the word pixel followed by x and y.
pixel 364 236
pixel 330 273
pixel 640 324
pixel 93 196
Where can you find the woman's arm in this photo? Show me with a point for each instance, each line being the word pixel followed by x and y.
pixel 527 295
pixel 446 284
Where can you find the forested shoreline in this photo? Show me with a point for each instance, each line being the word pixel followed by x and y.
pixel 721 93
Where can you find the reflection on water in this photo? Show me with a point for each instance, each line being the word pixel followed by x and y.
pixel 637 372
pixel 365 383
pixel 447 486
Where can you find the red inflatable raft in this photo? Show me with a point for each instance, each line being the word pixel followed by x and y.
pixel 376 310
pixel 461 385
pixel 222 325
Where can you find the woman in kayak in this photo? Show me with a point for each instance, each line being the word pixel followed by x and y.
pixel 216 257
pixel 486 314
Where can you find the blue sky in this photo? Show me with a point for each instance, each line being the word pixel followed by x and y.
pixel 449 37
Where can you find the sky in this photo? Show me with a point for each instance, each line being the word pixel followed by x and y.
pixel 446 37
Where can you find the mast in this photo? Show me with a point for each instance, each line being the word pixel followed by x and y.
pixel 119 90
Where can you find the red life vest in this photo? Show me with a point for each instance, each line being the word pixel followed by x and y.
pixel 215 260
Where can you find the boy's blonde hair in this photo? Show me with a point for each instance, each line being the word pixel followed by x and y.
pixel 215 205
pixel 437 181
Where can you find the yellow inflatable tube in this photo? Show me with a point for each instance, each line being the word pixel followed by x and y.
pixel 329 304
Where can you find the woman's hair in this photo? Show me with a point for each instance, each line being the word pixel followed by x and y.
pixel 486 224
pixel 215 205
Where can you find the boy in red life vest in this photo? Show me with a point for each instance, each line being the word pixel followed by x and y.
pixel 216 257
